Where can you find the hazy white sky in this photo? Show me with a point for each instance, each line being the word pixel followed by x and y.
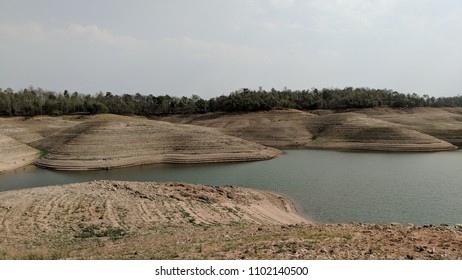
pixel 212 47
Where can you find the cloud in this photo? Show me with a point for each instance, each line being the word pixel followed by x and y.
pixel 273 26
pixel 34 32
pixel 282 4
pixel 31 32
pixel 347 15
pixel 215 50
pixel 96 34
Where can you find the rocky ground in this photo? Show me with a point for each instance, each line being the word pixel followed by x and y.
pixel 128 220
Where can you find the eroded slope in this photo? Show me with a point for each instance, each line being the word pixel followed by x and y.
pixel 15 154
pixel 110 141
pixel 320 129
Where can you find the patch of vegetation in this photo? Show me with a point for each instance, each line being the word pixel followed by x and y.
pixel 185 214
pixel 44 152
pixel 95 231
pixel 36 101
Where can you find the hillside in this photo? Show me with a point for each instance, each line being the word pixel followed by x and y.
pixel 84 142
pixel 132 220
pixel 111 141
pixel 15 154
pixel 351 130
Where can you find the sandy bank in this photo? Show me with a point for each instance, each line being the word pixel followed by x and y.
pixel 100 208
pixel 131 220
pixel 14 154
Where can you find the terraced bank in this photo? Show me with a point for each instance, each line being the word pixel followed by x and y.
pixel 325 129
pixel 110 141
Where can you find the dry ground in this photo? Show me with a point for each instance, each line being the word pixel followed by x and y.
pixel 110 141
pixel 127 220
pixel 425 129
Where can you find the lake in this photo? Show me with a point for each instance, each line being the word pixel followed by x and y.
pixel 327 186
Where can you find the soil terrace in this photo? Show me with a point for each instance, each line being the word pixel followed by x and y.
pixel 368 129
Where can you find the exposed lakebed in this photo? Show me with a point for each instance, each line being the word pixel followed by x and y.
pixel 327 186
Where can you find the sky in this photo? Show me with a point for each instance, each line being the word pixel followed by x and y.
pixel 214 47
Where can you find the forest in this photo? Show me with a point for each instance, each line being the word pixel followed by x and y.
pixel 36 101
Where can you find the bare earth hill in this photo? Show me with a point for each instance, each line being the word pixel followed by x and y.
pixel 379 129
pixel 133 220
pixel 110 141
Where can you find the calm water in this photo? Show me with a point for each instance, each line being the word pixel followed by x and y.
pixel 327 186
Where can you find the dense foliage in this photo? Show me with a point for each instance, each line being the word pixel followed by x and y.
pixel 36 101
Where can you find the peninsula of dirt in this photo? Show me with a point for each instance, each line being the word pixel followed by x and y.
pixel 134 220
pixel 111 141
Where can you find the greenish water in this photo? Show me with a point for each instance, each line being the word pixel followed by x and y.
pixel 327 186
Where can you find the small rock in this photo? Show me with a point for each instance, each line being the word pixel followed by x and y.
pixel 420 248
pixel 409 257
pixel 230 195
pixel 204 198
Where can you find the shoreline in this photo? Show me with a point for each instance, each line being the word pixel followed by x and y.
pixel 102 142
pixel 136 220
pixel 32 159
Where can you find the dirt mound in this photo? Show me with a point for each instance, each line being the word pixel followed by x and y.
pixel 323 129
pixel 355 131
pixel 114 209
pixel 442 123
pixel 108 141
pixel 277 128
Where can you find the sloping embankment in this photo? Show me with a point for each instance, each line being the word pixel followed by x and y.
pixel 322 130
pixel 15 154
pixel 110 141
pixel 48 215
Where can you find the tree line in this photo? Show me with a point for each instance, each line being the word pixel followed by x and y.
pixel 36 101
